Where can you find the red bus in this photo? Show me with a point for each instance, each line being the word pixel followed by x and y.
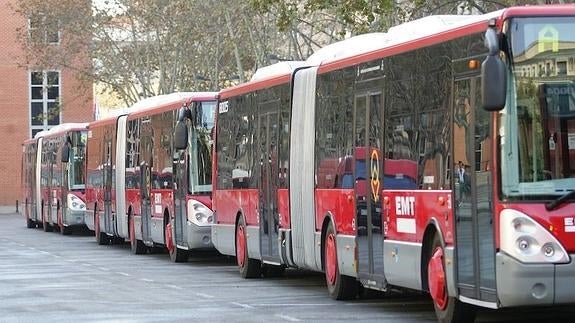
pixel 53 178
pixel 466 205
pixel 30 186
pixel 140 189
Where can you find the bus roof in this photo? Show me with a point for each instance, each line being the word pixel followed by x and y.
pixel 280 68
pixel 154 102
pixel 359 45
pixel 266 76
pixel 396 35
pixel 163 102
pixel 407 36
pixel 166 99
pixel 62 128
pixel 420 33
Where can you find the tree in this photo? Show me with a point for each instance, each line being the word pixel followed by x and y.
pixel 361 16
pixel 142 48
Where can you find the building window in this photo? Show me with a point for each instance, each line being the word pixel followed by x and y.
pixel 44 100
pixel 43 30
pixel 561 68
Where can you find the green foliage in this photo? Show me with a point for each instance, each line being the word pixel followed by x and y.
pixel 361 16
pixel 356 16
pixel 140 48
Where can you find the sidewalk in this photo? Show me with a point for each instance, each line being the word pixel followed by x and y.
pixel 8 209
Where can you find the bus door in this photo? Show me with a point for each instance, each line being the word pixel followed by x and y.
pixel 368 179
pixel 268 202
pixel 146 177
pixel 38 180
pixel 107 185
pixel 50 187
pixel 65 184
pixel 179 167
pixel 30 171
pixel 472 185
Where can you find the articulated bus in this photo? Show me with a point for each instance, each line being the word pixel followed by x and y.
pixel 463 180
pixel 140 189
pixel 53 178
pixel 30 187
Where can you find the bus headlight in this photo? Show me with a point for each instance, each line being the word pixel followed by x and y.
pixel 75 203
pixel 199 214
pixel 527 241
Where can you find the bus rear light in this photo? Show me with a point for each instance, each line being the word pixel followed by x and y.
pixel 528 241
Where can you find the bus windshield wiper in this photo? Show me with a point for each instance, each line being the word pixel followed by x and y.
pixel 554 204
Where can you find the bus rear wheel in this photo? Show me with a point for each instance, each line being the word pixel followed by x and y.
pixel 447 309
pixel 101 237
pixel 29 223
pixel 45 225
pixel 249 268
pixel 339 286
pixel 137 246
pixel 176 254
pixel 64 230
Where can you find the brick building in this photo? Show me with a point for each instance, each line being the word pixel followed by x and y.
pixel 28 96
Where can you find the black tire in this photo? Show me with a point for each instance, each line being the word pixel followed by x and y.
pixel 339 287
pixel 66 231
pixel 249 268
pixel 117 240
pixel 47 227
pixel 272 271
pixel 137 246
pixel 179 255
pixel 449 309
pixel 101 237
pixel 30 224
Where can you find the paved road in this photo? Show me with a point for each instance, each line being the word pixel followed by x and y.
pixel 47 277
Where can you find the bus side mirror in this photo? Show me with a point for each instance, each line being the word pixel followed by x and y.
pixel 181 135
pixel 184 113
pixel 493 74
pixel 65 153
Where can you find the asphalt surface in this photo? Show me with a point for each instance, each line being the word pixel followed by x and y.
pixel 47 277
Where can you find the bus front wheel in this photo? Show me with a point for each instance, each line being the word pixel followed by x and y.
pixel 249 268
pixel 447 309
pixel 176 254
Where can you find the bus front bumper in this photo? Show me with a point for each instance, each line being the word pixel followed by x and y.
pixel 74 218
pixel 199 237
pixel 520 284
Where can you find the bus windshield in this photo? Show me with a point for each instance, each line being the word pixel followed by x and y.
pixel 537 127
pixel 77 160
pixel 200 143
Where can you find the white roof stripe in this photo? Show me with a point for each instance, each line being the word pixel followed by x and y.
pixel 406 32
pixel 61 128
